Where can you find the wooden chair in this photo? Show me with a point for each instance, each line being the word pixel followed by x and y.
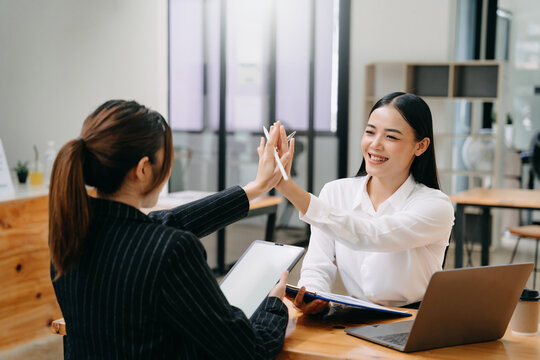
pixel 530 232
pixel 58 326
pixel 531 157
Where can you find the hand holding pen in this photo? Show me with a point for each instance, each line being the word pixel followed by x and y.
pixel 284 145
pixel 268 172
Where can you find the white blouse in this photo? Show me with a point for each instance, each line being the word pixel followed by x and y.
pixel 385 256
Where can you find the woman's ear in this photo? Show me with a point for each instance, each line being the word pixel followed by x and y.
pixel 422 146
pixel 143 170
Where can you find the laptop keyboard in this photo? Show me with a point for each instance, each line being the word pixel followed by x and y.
pixel 396 339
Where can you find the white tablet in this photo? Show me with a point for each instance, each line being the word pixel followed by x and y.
pixel 259 268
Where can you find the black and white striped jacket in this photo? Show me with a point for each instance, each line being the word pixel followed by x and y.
pixel 143 289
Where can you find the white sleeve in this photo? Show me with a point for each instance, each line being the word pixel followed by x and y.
pixel 422 222
pixel 318 268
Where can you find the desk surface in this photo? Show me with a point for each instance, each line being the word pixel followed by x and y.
pixel 266 201
pixel 518 198
pixel 487 199
pixel 316 339
pixel 309 338
pixel 25 191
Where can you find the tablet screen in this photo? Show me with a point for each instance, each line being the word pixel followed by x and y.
pixel 250 280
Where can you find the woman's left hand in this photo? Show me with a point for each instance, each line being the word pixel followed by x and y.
pixel 312 307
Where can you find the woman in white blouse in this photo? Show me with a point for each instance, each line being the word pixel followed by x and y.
pixel 385 230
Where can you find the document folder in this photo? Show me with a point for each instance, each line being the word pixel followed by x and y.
pixel 345 300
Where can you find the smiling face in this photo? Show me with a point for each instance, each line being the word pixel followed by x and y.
pixel 389 145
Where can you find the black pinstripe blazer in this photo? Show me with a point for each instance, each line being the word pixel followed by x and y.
pixel 143 289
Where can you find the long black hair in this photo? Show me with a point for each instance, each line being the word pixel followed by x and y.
pixel 417 114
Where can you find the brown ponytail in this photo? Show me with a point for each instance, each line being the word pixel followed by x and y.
pixel 69 213
pixel 113 140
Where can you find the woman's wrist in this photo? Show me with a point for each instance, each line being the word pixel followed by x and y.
pixel 284 186
pixel 295 194
pixel 253 190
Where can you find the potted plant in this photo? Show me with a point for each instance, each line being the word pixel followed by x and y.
pixel 22 171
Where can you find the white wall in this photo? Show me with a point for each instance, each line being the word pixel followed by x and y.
pixel 393 30
pixel 60 59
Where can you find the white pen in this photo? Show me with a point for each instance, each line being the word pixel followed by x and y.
pixel 291 135
pixel 280 165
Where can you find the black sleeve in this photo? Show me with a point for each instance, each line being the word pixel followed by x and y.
pixel 195 307
pixel 204 216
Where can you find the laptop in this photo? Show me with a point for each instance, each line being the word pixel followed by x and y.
pixel 259 268
pixel 460 306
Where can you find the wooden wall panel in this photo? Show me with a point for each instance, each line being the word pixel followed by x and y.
pixel 24 268
pixel 18 213
pixel 24 326
pixel 25 295
pixel 17 241
pixel 27 301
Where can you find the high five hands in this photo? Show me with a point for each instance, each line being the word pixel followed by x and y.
pixel 268 172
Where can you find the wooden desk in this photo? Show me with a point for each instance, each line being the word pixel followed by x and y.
pixel 310 338
pixel 266 205
pixel 315 339
pixel 487 199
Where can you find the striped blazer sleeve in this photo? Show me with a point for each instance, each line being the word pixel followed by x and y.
pixel 195 307
pixel 204 216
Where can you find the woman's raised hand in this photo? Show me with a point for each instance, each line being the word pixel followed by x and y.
pixel 285 147
pixel 268 173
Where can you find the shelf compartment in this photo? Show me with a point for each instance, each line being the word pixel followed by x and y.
pixel 385 78
pixel 428 80
pixel 476 81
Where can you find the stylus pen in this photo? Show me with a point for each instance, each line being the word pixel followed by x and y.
pixel 280 165
pixel 291 135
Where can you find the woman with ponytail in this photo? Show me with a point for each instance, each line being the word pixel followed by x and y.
pixel 134 286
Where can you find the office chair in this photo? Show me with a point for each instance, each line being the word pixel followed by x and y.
pixel 527 232
pixel 416 305
pixel 531 231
